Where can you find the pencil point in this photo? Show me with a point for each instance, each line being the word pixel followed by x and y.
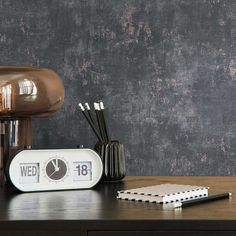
pixel 101 105
pixel 177 205
pixel 87 106
pixel 81 106
pixel 96 106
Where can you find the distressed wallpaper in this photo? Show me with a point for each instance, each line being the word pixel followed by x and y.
pixel 165 69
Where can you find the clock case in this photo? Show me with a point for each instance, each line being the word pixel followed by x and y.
pixel 11 183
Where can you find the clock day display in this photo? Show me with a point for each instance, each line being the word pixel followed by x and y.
pixel 58 169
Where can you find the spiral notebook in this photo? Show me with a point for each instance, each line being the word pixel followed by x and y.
pixel 164 193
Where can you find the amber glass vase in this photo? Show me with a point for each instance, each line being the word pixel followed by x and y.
pixel 25 92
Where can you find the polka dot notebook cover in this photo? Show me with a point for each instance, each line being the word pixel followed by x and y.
pixel 164 193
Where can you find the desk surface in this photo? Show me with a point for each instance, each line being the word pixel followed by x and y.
pixel 99 209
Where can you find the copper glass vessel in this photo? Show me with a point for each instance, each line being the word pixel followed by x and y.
pixel 25 92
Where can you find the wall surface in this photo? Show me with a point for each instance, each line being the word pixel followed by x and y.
pixel 165 69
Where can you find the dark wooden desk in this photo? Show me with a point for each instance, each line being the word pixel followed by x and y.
pixel 98 212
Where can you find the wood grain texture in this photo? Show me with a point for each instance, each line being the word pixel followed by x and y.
pixel 98 212
pixel 100 203
pixel 166 71
pixel 160 233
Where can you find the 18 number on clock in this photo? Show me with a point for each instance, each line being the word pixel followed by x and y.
pixel 82 171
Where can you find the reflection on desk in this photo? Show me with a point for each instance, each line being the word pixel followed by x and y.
pixel 98 212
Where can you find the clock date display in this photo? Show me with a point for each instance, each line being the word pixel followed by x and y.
pixel 82 171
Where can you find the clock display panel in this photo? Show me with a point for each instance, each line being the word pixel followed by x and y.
pixel 56 169
pixel 29 173
pixel 82 170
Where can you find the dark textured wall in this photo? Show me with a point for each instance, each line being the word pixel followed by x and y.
pixel 166 70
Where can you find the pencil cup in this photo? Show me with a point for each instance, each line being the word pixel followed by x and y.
pixel 113 158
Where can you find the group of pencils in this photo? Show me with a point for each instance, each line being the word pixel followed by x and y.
pixel 97 124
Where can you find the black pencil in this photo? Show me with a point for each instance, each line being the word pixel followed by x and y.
pixel 102 123
pixel 202 200
pixel 89 113
pixel 90 123
pixel 99 120
pixel 103 120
